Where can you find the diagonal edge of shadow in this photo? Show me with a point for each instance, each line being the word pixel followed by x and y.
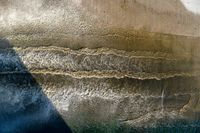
pixel 25 108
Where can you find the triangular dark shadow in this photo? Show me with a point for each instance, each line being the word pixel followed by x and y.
pixel 24 108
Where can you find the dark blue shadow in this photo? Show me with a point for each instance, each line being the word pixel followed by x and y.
pixel 24 108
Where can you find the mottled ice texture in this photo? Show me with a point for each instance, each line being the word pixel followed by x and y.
pixel 97 65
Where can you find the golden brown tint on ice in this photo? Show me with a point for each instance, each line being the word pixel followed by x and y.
pixel 133 62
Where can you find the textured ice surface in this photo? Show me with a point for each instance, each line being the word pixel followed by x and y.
pixel 98 66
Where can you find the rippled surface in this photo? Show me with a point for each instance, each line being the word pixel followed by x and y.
pixel 91 88
pixel 98 66
pixel 24 106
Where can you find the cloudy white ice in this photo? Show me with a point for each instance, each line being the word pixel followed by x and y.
pixel 192 5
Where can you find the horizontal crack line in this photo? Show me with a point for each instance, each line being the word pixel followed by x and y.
pixel 108 74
